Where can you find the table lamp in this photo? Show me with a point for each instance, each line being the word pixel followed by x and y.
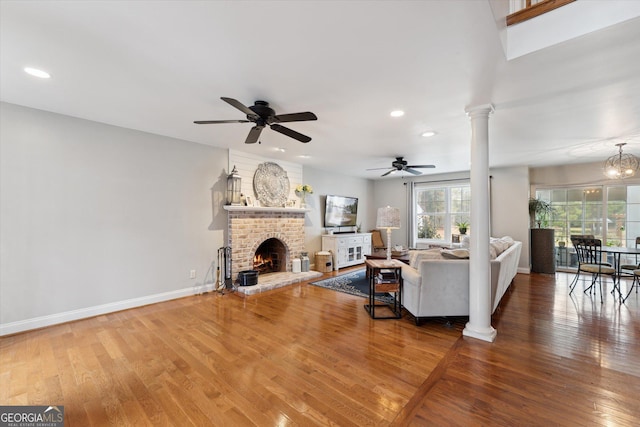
pixel 388 218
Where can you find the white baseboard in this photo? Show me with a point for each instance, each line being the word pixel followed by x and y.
pixel 83 313
pixel 523 270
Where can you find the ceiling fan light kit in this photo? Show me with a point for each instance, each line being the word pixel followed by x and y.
pixel 262 115
pixel 400 164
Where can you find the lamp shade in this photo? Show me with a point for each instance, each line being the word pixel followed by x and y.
pixel 388 218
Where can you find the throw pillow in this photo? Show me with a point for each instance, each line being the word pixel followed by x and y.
pixel 455 253
pixel 416 256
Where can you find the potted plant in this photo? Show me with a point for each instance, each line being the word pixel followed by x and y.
pixel 542 238
pixel 462 226
pixel 539 210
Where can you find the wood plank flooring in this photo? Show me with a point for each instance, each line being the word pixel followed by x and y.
pixel 304 355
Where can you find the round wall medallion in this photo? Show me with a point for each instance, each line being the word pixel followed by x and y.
pixel 271 184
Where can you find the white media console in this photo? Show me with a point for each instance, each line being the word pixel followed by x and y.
pixel 347 249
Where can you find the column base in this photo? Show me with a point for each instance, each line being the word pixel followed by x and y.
pixel 484 334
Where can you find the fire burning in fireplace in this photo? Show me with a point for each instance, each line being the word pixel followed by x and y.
pixel 270 257
pixel 265 264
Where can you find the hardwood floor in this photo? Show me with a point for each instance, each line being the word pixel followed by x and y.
pixel 304 355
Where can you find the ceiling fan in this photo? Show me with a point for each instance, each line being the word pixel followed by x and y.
pixel 400 164
pixel 262 115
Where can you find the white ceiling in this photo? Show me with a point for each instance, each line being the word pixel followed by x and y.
pixel 156 66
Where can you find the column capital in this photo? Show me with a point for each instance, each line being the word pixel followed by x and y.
pixel 479 110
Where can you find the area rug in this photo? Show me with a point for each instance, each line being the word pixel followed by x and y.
pixel 354 283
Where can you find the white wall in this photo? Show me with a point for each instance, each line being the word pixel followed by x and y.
pixel 95 218
pixel 247 163
pixel 324 183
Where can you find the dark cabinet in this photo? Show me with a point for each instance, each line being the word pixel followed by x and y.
pixel 542 250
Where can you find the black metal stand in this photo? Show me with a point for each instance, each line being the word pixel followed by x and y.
pixel 374 267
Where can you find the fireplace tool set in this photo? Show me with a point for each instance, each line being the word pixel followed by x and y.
pixel 224 269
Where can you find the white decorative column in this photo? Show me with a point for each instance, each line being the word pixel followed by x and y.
pixel 479 325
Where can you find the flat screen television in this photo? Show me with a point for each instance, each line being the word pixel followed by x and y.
pixel 341 211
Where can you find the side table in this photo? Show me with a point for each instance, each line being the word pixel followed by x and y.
pixel 376 269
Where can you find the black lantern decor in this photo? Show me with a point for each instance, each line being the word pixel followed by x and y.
pixel 233 187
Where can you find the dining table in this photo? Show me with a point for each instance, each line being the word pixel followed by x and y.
pixel 617 252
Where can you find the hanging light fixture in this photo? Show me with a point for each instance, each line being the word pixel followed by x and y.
pixel 621 165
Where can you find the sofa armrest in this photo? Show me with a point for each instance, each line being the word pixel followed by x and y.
pixel 411 275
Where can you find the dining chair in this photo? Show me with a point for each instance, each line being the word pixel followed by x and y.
pixel 636 283
pixel 575 239
pixel 589 252
pixel 631 267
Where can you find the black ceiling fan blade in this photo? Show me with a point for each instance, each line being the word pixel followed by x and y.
pixel 254 135
pixel 422 166
pixel 413 171
pixel 290 133
pixel 295 117
pixel 240 106
pixel 389 172
pixel 210 122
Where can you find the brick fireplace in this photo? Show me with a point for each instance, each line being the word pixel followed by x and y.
pixel 249 227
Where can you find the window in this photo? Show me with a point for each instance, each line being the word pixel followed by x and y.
pixel 438 208
pixel 574 211
pixel 610 213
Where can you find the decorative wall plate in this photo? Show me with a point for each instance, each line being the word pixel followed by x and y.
pixel 271 184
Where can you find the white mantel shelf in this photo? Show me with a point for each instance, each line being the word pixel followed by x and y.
pixel 263 209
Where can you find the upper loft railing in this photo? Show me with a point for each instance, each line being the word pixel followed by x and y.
pixel 522 10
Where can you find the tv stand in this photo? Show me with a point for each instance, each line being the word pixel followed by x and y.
pixel 347 249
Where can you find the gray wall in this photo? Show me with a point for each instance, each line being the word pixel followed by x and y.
pixel 324 183
pixel 97 218
pixel 509 204
pixel 510 207
pixel 567 175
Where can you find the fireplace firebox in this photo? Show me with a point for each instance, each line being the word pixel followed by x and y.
pixel 270 257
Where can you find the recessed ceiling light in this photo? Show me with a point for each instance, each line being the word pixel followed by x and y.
pixel 37 73
pixel 304 156
pixel 397 113
pixel 280 149
pixel 428 133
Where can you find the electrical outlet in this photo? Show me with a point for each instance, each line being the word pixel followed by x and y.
pixel 192 274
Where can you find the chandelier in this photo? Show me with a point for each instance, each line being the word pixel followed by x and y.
pixel 621 165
